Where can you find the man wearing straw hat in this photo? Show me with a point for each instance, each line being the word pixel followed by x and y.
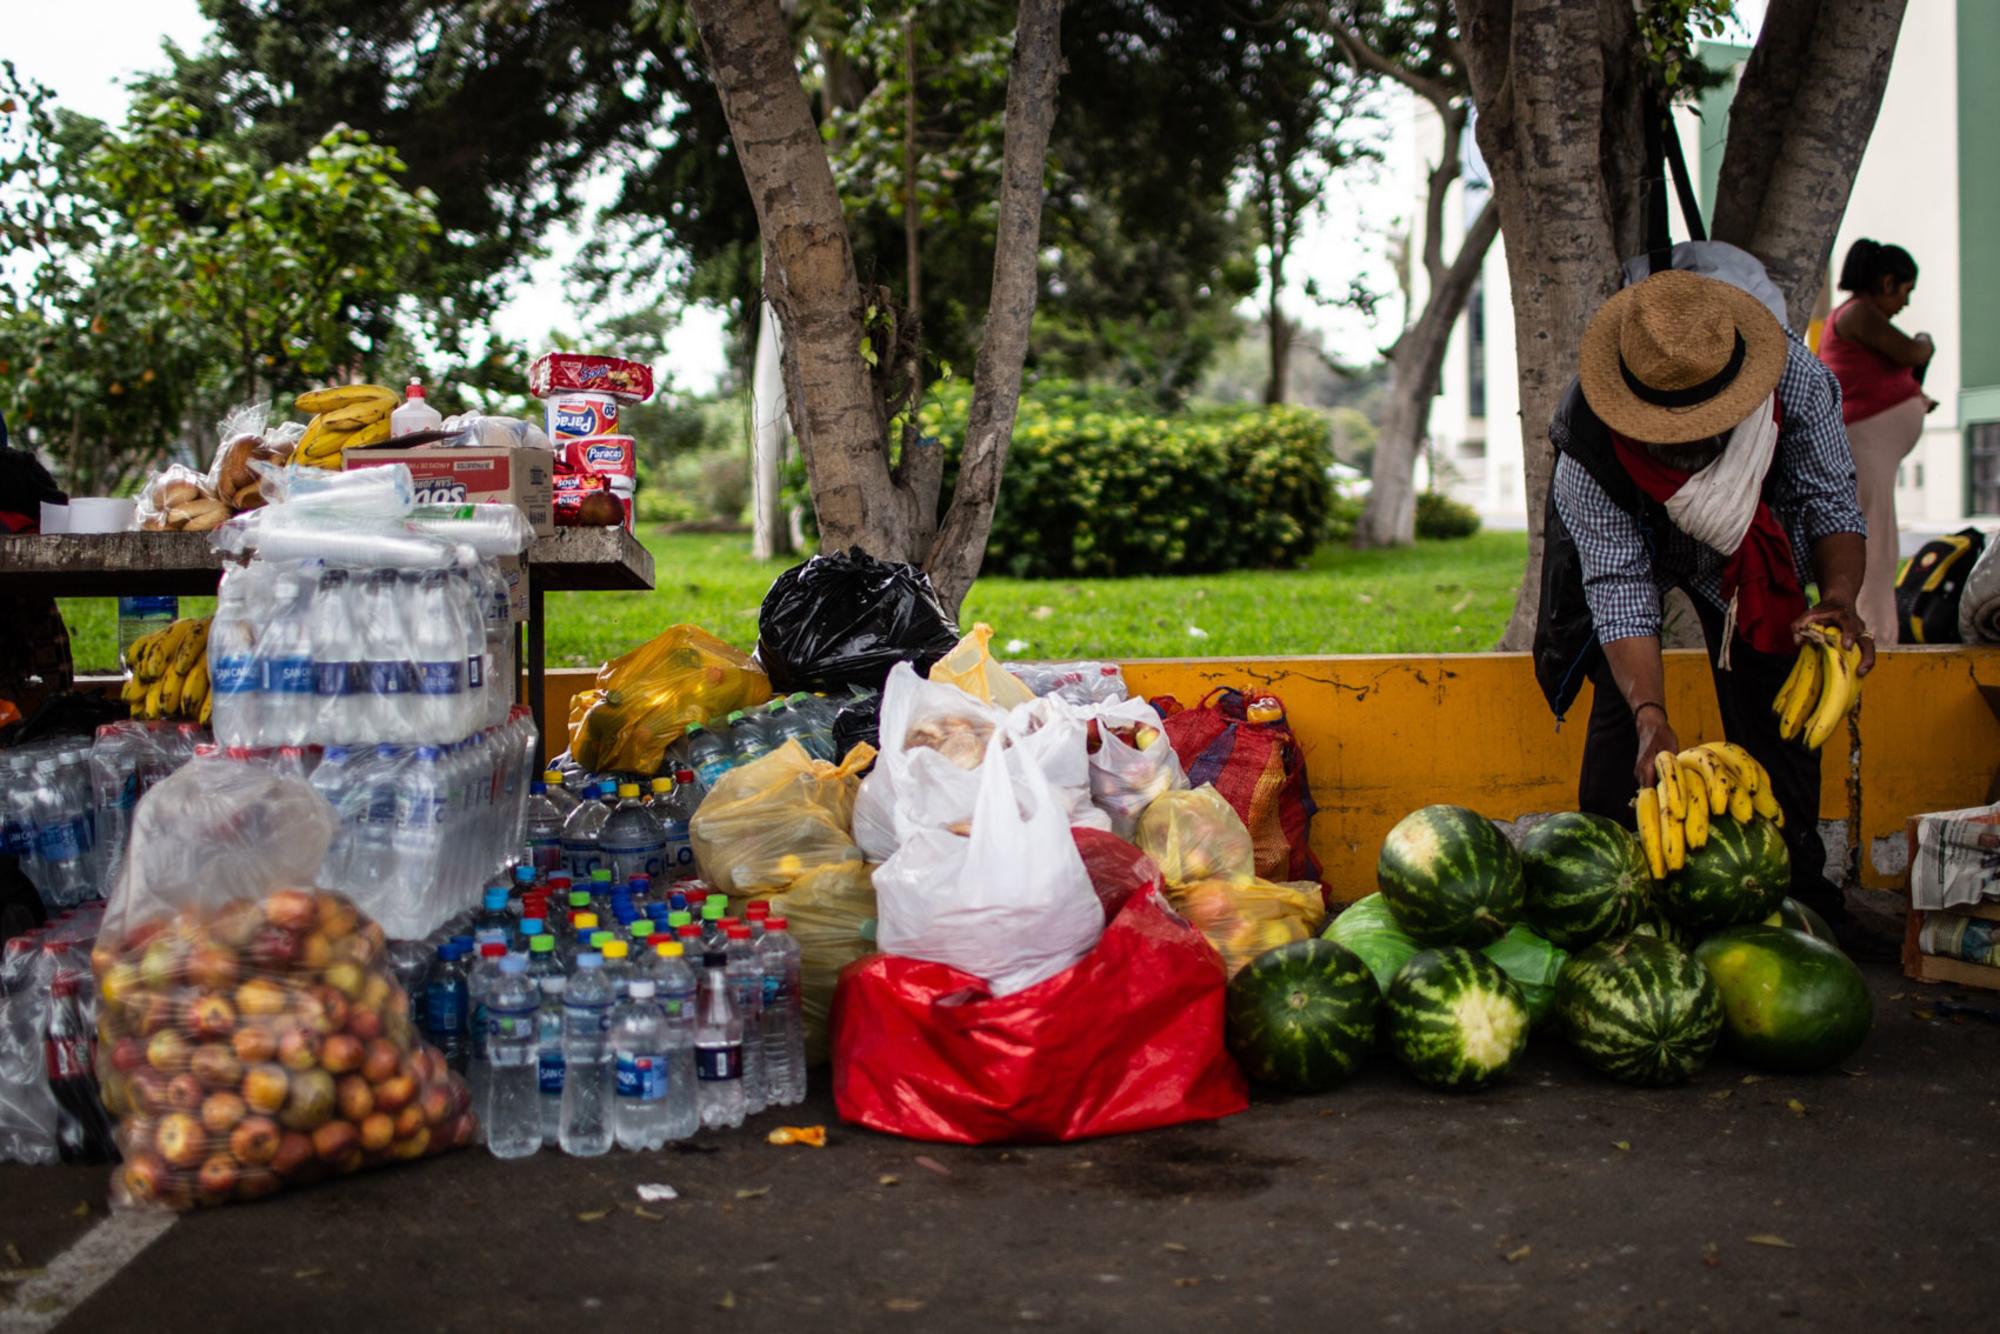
pixel 1700 447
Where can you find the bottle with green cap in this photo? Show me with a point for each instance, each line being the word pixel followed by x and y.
pixel 543 961
pixel 713 909
pixel 750 735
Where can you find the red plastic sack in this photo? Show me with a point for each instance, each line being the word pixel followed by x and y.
pixel 1259 768
pixel 1130 1038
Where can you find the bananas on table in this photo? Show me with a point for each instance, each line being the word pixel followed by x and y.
pixel 1822 689
pixel 346 417
pixel 169 672
pixel 1716 780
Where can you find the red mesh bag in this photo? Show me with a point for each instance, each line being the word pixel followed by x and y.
pixel 1259 768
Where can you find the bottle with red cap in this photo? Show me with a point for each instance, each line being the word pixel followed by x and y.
pixel 746 983
pixel 415 413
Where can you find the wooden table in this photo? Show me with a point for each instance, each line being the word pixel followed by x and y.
pixel 135 564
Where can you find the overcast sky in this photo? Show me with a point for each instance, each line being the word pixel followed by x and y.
pixel 88 71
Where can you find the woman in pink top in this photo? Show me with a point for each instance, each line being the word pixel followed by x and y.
pixel 1878 367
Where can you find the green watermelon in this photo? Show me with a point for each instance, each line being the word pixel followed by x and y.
pixel 1533 964
pixel 1586 878
pixel 1450 877
pixel 1303 1015
pixel 1639 1010
pixel 1454 1019
pixel 1653 922
pixel 1790 1002
pixel 1367 927
pixel 1738 876
pixel 1791 913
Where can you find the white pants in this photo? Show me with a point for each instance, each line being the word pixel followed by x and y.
pixel 1880 443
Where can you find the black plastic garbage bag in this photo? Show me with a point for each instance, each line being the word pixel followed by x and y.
pixel 845 620
pixel 859 720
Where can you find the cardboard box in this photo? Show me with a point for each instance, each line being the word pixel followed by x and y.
pixel 478 476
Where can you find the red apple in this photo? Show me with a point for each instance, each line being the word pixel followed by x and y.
pixel 213 968
pixel 215 1064
pixel 163 965
pixel 290 909
pixel 299 1049
pixel 256 1183
pixel 149 1090
pixel 255 1141
pixel 381 1061
pixel 222 1112
pixel 273 950
pixel 167 1051
pixel 315 951
pixel 408 1121
pixel 260 996
pixel 395 1093
pixel 364 1021
pixel 181 1140
pixel 127 1055
pixel 136 1131
pixel 342 1053
pixel 295 1150
pixel 354 1098
pixel 154 1013
pixel 412 1146
pixel 184 1093
pixel 266 1087
pixel 437 1102
pixel 144 1176
pixel 335 1140
pixel 310 1101
pixel 212 1016
pixel 333 1008
pixel 336 916
pixel 356 949
pixel 217 1178
pixel 378 1131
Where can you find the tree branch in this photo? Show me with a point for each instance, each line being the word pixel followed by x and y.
pixel 1438 94
pixel 996 386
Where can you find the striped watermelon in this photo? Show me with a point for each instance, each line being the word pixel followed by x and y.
pixel 1791 913
pixel 1639 1010
pixel 1303 1015
pixel 1653 922
pixel 1586 879
pixel 1454 1019
pixel 1450 877
pixel 1789 1002
pixel 1738 876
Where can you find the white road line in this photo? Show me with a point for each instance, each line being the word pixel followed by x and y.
pixel 46 1300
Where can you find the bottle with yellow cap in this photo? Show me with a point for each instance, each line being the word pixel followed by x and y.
pixel 632 841
pixel 617 962
pixel 674 987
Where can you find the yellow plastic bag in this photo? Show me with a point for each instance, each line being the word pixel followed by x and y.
pixel 645 699
pixel 1244 918
pixel 782 815
pixel 972 669
pixel 1195 834
pixel 830 912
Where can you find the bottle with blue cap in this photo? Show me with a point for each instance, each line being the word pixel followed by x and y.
pixel 445 1003
pixel 492 911
pixel 514 1114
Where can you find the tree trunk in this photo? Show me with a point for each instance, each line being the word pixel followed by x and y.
pixel 1797 128
pixel 1555 84
pixel 809 277
pixel 996 378
pixel 1279 332
pixel 1390 516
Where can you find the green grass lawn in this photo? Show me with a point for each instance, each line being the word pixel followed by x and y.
pixel 1435 597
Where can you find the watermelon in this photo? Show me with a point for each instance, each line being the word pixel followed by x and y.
pixel 1367 927
pixel 1791 913
pixel 1586 879
pixel 1639 1010
pixel 1790 1002
pixel 1534 965
pixel 1653 922
pixel 1303 1015
pixel 1454 1019
pixel 1738 876
pixel 1450 877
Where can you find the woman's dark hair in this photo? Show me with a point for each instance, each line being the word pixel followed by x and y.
pixel 1869 262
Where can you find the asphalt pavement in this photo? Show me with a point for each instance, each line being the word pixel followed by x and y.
pixel 1854 1199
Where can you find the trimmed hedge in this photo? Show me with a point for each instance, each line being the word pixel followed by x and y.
pixel 1096 485
pixel 1440 516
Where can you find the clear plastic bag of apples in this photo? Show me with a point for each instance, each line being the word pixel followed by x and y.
pixel 251 1034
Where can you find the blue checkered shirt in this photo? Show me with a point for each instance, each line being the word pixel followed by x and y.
pixel 1812 495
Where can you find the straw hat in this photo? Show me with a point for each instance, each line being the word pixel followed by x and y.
pixel 1680 357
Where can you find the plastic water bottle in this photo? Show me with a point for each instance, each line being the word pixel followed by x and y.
pixel 791 720
pixel 288 705
pixel 746 981
pixel 414 413
pixel 708 755
pixel 587 1003
pixel 420 808
pixel 676 814
pixel 340 681
pixel 617 956
pixel 445 1005
pixel 514 1118
pixel 142 616
pixel 385 655
pixel 377 780
pixel 581 852
pixel 437 649
pixel 542 958
pixel 718 1047
pixel 462 601
pixel 233 679
pixel 336 780
pixel 61 868
pixel 749 736
pixel 675 987
pixel 713 934
pixel 479 982
pixel 558 792
pixel 631 841
pixel 549 1054
pixel 639 1041
pixel 784 1017
pixel 656 795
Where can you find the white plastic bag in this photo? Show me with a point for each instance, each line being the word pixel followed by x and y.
pixel 1011 902
pixel 1127 777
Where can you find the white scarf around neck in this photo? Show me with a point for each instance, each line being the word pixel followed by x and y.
pixel 1715 505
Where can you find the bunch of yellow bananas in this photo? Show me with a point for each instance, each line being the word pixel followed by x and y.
pixel 1714 779
pixel 351 416
pixel 1824 685
pixel 169 672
